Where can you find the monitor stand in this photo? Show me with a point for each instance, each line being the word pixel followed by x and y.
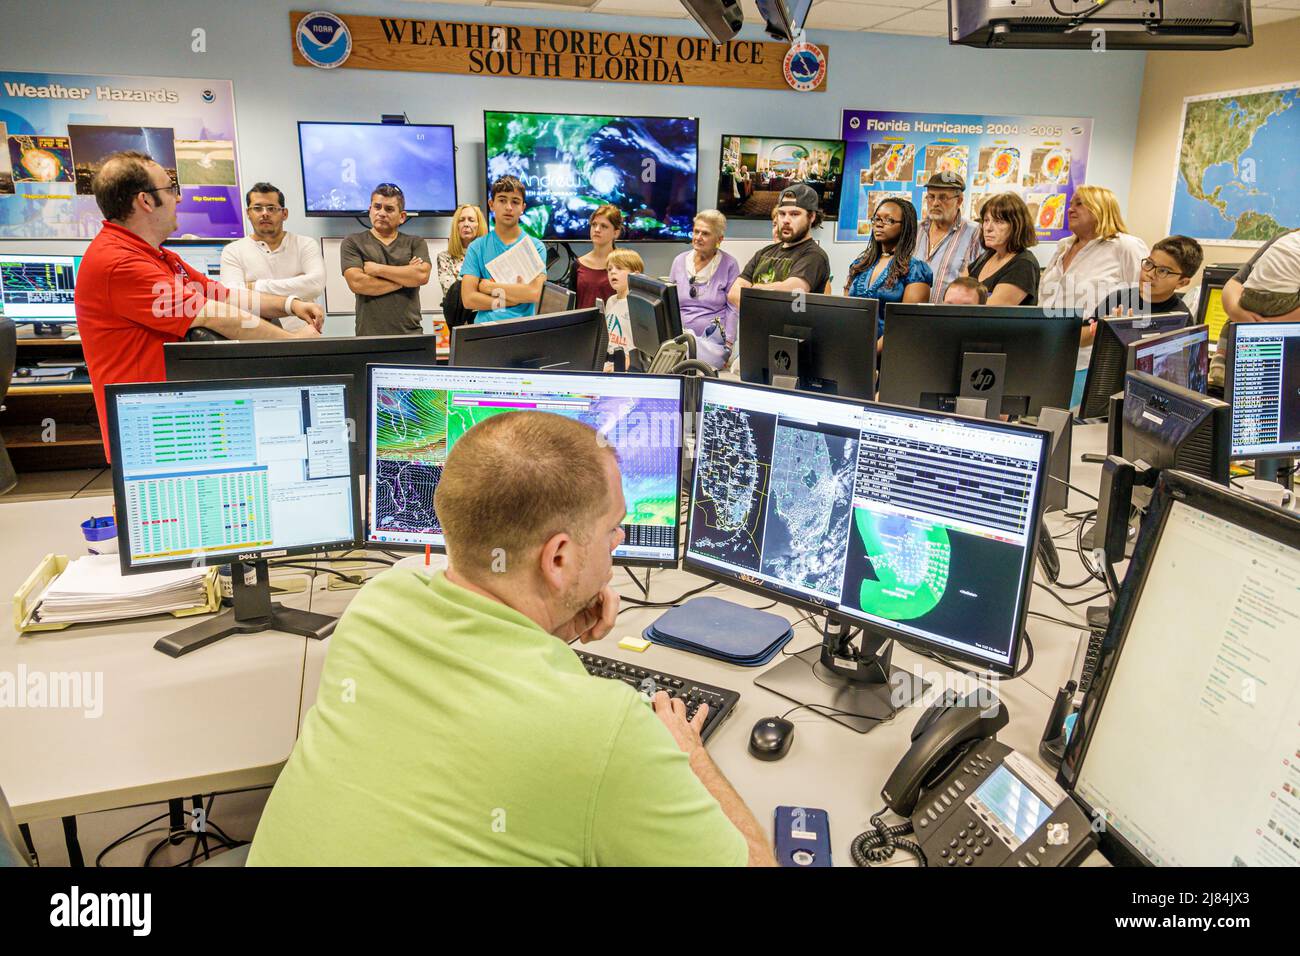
pixel 253 611
pixel 860 682
pixel 983 378
pixel 46 330
pixel 1280 470
pixel 787 359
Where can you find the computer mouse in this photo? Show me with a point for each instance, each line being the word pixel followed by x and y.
pixel 771 738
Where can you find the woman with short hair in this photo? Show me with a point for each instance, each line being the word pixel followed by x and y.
pixel 703 274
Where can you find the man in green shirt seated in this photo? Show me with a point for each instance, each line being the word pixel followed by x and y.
pixel 453 726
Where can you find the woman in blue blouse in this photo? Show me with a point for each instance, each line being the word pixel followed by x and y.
pixel 887 270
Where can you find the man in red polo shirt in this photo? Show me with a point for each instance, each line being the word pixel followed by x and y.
pixel 133 296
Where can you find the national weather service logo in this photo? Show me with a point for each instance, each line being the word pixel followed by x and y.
pixel 804 67
pixel 323 40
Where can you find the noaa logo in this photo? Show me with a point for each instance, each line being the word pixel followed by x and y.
pixel 323 40
pixel 208 96
pixel 804 67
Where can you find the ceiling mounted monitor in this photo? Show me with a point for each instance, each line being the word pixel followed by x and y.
pixel 1085 24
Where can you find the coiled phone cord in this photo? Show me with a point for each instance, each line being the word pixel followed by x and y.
pixel 879 845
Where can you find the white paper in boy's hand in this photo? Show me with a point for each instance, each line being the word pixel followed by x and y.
pixel 520 263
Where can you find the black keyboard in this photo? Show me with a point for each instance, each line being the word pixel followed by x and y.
pixel 692 693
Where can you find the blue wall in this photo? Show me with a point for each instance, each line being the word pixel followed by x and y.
pixel 249 42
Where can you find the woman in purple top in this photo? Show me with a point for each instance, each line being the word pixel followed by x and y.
pixel 703 275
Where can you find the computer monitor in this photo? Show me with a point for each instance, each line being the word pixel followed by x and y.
pixel 1262 384
pixel 816 343
pixel 233 472
pixel 556 298
pixel 1181 356
pixel 204 257
pixel 1107 366
pixel 325 355
pixel 1167 426
pixel 653 312
pixel 418 414
pixel 1185 745
pixel 912 525
pixel 1209 303
pixel 576 340
pixel 38 290
pixel 936 354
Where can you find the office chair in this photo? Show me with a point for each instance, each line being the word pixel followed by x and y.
pixel 200 334
pixel 12 845
pixel 8 360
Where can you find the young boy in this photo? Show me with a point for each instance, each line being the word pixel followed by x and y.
pixel 1273 286
pixel 494 301
pixel 621 264
pixel 1167 271
pixel 965 290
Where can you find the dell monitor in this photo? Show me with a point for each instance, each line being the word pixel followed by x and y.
pixel 203 257
pixel 556 298
pixel 1209 303
pixel 343 162
pixel 325 355
pixel 653 312
pixel 233 472
pixel 418 414
pixel 38 291
pixel 1168 426
pixel 910 525
pixel 1185 745
pixel 1181 356
pixel 576 340
pixel 814 343
pixel 937 356
pixel 1263 388
pixel 1106 368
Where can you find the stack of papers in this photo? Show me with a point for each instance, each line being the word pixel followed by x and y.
pixel 722 630
pixel 93 588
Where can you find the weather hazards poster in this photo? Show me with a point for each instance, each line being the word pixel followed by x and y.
pixel 893 155
pixel 56 129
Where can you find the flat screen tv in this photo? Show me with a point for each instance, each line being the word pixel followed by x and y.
pixel 343 162
pixel 755 169
pixel 571 164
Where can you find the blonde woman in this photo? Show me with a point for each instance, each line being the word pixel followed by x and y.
pixel 467 224
pixel 1099 257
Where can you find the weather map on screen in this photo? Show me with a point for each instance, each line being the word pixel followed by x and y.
pixel 418 415
pixel 573 164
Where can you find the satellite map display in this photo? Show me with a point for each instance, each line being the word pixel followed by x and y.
pixel 416 428
pixel 732 484
pixel 1237 166
pixel 809 503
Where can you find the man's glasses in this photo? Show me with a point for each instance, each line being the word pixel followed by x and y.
pixel 1160 272
pixel 258 210
pixel 941 197
pixel 173 188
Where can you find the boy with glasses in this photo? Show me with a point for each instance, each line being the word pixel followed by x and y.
pixel 271 259
pixel 1165 272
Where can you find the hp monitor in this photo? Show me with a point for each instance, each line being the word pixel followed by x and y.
pixel 576 340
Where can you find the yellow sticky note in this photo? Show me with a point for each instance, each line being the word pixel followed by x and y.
pixel 637 644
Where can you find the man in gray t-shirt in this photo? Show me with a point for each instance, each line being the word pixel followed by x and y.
pixel 386 269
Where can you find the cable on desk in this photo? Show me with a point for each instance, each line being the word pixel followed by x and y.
pixel 878 845
pixel 1071 604
pixel 1077 625
pixel 131 835
pixel 634 602
pixel 315 570
pixel 829 710
pixel 1086 494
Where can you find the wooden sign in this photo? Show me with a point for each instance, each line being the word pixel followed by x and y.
pixel 327 40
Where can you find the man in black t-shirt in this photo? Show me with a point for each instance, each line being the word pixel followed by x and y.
pixel 796 263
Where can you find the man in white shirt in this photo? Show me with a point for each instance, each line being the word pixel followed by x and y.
pixel 272 260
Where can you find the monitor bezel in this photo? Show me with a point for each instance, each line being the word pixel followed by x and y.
pixel 368 539
pixel 913 641
pixel 358 213
pixel 826 217
pixel 1173 487
pixel 1130 362
pixel 112 391
pixel 1228 377
pixel 487 183
pixel 1212 277
pixel 546 322
pixel 76 258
